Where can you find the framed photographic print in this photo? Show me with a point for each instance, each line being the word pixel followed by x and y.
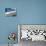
pixel 10 11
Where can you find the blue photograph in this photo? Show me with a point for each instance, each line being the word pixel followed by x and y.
pixel 10 11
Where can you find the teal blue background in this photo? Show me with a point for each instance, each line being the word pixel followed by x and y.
pixel 28 12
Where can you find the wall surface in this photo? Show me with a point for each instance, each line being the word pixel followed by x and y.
pixel 28 12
